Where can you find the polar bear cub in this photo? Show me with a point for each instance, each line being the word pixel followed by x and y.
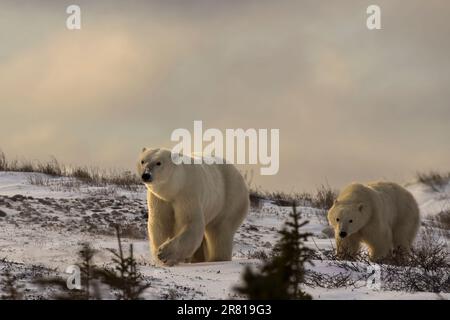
pixel 383 215
pixel 194 209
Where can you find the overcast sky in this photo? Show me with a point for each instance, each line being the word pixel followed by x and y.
pixel 351 104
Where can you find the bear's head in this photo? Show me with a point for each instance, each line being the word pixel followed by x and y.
pixel 158 172
pixel 348 218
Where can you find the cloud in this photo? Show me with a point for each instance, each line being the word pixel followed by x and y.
pixel 350 104
pixel 84 70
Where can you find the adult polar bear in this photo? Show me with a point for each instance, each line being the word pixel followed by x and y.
pixel 194 209
pixel 383 215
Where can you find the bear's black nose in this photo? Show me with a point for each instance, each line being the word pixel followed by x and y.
pixel 147 177
pixel 342 234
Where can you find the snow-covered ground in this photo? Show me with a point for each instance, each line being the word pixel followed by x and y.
pixel 42 225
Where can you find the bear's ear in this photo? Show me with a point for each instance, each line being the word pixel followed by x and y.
pixel 360 207
pixel 144 149
pixel 335 201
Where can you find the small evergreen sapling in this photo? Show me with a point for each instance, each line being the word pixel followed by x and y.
pixel 282 275
pixel 124 276
pixel 88 269
pixel 89 288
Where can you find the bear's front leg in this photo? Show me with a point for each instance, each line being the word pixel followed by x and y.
pixel 348 247
pixel 190 228
pixel 161 222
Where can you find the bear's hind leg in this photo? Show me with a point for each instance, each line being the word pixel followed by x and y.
pixel 220 233
pixel 219 240
pixel 404 233
pixel 219 244
pixel 403 239
pixel 201 254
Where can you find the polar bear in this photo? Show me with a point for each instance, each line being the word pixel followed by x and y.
pixel 194 209
pixel 383 215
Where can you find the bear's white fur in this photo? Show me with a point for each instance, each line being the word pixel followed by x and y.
pixel 383 215
pixel 194 209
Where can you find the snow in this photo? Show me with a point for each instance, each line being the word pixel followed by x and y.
pixel 430 203
pixel 45 224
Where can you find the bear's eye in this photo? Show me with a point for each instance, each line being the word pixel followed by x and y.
pixel 158 163
pixel 337 219
pixel 350 221
pixel 142 162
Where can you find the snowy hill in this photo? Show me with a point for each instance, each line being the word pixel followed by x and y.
pixel 44 219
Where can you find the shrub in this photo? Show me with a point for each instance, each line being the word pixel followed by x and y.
pixel 425 268
pixel 3 162
pixel 443 219
pixel 436 181
pixel 324 197
pixel 255 199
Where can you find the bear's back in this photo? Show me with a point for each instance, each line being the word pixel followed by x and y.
pixel 398 203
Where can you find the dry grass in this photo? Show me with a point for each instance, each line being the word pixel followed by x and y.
pixel 88 175
pixel 258 254
pixel 323 198
pixel 39 180
pixel 284 199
